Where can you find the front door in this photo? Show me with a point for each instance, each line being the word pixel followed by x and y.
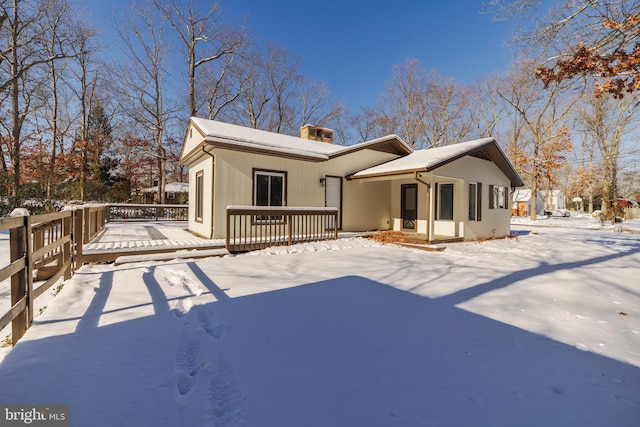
pixel 409 206
pixel 333 195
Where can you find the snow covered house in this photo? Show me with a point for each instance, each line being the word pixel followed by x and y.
pixel 522 201
pixel 459 191
pixel 175 193
pixel 553 200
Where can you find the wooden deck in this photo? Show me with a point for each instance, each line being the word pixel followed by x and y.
pixel 120 239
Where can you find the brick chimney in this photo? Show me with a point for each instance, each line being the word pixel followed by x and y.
pixel 315 133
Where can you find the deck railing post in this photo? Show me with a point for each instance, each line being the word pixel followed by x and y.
pixel 78 222
pixel 227 238
pixel 287 218
pixel 22 282
pixel 85 225
pixel 67 248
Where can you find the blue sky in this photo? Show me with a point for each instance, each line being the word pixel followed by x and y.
pixel 352 45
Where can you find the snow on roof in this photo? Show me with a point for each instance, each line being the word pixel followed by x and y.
pixel 262 139
pixel 241 136
pixel 522 195
pixel 172 187
pixel 424 159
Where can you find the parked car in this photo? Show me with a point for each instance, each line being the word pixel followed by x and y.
pixel 561 213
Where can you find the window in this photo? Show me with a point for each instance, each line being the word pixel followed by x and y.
pixel 199 195
pixel 475 201
pixel 498 197
pixel 269 188
pixel 445 201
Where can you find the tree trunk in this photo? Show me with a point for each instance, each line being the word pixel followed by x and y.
pixel 534 185
pixel 15 104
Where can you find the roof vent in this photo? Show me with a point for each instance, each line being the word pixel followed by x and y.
pixel 315 133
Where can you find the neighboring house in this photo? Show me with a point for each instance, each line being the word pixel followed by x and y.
pixel 522 201
pixel 459 191
pixel 175 193
pixel 554 200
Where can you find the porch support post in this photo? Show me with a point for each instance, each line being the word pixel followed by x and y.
pixel 418 177
pixel 429 213
pixel 431 208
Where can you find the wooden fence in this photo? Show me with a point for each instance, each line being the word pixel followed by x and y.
pixel 631 213
pixel 45 248
pixel 257 227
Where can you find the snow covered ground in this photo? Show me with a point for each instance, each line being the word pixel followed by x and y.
pixel 539 330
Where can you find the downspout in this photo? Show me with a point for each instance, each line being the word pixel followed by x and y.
pixel 418 178
pixel 213 169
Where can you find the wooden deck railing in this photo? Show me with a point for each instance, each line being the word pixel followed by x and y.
pixel 95 217
pixel 257 227
pixel 45 248
pixel 40 244
pixel 140 212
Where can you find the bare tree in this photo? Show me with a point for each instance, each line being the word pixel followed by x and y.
pixel 206 43
pixel 596 38
pixel 541 115
pixel 144 79
pixel 486 109
pixel 60 39
pixel 605 122
pixel 85 89
pixel 276 97
pixel 315 105
pixel 23 41
pixel 446 117
pixel 366 124
pixel 403 104
pixel 424 108
pixel 282 77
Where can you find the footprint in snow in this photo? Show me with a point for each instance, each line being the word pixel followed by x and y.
pixel 188 366
pixel 208 323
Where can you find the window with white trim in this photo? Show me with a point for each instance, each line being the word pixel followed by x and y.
pixel 199 196
pixel 269 188
pixel 498 197
pixel 475 201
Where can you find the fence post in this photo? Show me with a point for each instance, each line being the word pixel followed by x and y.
pixel 335 225
pixel 289 220
pixel 21 283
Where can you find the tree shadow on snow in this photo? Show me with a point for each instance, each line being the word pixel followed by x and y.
pixel 342 352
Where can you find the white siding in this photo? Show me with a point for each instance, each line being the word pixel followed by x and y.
pixel 495 222
pixel 204 228
pixel 364 205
